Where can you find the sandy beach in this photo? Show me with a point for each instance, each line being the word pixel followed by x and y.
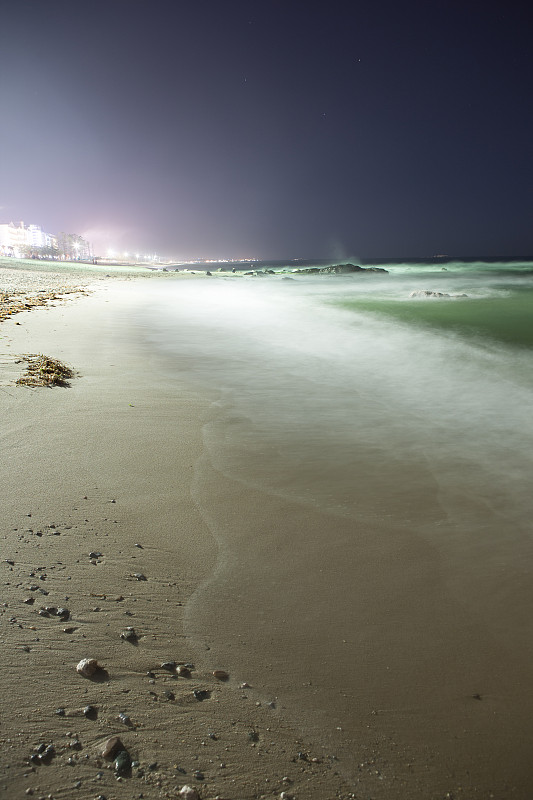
pixel 105 467
pixel 118 509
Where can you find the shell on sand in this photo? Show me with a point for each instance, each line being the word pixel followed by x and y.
pixel 87 667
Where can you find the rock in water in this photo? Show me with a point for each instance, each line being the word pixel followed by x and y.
pixel 346 269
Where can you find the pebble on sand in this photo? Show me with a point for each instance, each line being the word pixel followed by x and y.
pixel 188 793
pixel 111 746
pixel 87 667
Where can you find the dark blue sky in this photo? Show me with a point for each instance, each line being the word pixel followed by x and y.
pixel 270 129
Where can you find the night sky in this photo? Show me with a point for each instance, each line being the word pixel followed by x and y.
pixel 270 129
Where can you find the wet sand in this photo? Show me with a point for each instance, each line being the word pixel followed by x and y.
pixel 411 682
pixel 105 467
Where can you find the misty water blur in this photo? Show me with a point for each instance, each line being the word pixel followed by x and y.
pixel 386 444
pixel 322 363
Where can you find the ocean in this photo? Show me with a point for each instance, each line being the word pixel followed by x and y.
pixel 373 437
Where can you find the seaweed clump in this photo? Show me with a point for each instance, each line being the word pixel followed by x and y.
pixel 44 371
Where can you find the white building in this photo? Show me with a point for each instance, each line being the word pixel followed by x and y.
pixel 15 237
pixel 12 238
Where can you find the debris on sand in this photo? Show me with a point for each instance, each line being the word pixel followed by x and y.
pixel 44 371
pixel 15 302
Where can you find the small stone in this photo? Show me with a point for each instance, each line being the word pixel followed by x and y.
pixel 90 712
pixel 75 744
pixel 139 576
pixel 29 601
pixel 220 675
pixel 87 667
pixel 49 753
pixel 253 736
pixel 198 775
pixel 60 712
pixel 110 747
pixel 63 614
pixel 129 635
pixel 95 554
pixel 169 665
pixel 188 793
pixel 183 671
pixel 201 694
pixel 122 762
pixel 124 718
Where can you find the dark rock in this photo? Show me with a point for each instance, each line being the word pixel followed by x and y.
pixel 122 762
pixel 90 712
pixel 346 269
pixel 129 635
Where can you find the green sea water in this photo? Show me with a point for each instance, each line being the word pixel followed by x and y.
pixel 507 319
pixel 366 475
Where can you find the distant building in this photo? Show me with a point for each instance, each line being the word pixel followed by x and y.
pixel 13 238
pixel 19 240
pixel 36 237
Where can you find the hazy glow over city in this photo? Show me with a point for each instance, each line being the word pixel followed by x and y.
pixel 255 129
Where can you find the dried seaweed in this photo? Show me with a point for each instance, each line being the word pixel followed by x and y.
pixel 17 301
pixel 44 371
